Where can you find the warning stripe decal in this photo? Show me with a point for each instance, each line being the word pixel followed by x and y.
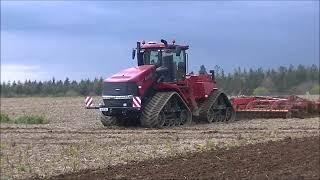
pixel 136 102
pixel 88 101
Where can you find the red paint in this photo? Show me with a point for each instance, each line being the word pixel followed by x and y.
pixel 192 89
pixel 142 75
pixel 201 85
pixel 134 74
pixel 274 103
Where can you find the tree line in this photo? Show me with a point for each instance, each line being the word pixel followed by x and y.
pixel 276 81
pixel 283 80
pixel 52 88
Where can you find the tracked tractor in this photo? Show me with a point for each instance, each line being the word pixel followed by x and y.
pixel 159 92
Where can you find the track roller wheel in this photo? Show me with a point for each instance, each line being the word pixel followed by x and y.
pixel 230 114
pixel 183 118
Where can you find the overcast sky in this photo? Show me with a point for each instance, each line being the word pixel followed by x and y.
pixel 82 39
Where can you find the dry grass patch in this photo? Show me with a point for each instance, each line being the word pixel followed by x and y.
pixel 24 119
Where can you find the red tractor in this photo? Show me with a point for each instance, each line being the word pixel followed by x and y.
pixel 159 92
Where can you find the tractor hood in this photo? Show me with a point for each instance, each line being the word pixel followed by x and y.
pixel 135 74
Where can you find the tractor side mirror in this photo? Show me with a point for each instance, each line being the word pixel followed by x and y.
pixel 133 53
pixel 212 74
pixel 178 51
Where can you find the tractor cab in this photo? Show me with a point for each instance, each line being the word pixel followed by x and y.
pixel 169 59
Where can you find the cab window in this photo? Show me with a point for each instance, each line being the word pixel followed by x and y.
pixel 178 63
pixel 151 57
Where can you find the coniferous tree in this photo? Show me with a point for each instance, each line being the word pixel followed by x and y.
pixel 203 70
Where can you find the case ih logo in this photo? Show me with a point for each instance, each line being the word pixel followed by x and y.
pixel 136 102
pixel 88 101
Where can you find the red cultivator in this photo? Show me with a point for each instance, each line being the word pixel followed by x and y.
pixel 251 107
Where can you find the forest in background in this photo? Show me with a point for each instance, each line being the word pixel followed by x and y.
pixel 277 81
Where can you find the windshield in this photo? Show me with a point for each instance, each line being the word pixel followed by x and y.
pixel 152 57
pixel 157 56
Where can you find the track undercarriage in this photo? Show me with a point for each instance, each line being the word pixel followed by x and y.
pixel 167 109
pixel 216 108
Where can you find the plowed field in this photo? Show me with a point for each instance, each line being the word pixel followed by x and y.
pixel 285 159
pixel 75 141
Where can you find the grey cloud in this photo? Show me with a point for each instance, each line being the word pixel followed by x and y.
pixel 228 33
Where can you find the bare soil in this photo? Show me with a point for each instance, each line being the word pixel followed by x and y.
pixel 286 159
pixel 74 139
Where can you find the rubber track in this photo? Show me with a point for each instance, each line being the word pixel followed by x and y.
pixel 150 113
pixel 108 120
pixel 204 108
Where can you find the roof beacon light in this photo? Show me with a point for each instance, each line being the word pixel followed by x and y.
pixel 173 41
